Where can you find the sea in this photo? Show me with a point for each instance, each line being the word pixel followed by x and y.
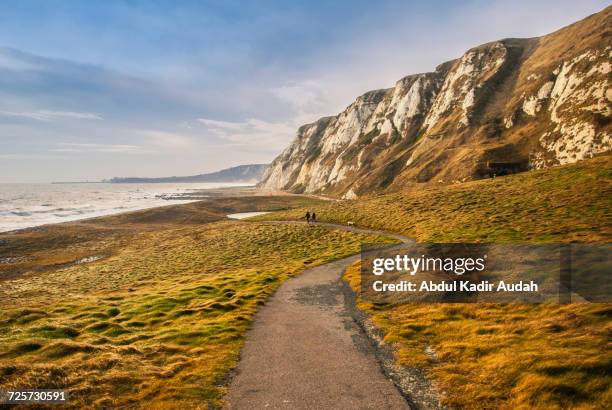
pixel 30 205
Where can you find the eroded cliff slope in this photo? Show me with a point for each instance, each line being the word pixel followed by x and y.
pixel 504 106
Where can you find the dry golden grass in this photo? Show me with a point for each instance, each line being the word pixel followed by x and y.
pixel 492 355
pixel 160 322
pixel 504 355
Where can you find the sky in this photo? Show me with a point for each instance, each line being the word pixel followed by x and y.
pixel 97 89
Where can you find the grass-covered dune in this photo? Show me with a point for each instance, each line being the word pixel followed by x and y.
pixel 494 355
pixel 158 321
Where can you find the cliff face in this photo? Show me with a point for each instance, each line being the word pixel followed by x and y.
pixel 513 103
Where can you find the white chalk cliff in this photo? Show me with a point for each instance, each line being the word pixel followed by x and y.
pixel 529 103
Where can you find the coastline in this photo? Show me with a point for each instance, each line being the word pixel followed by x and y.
pixel 158 200
pixel 53 246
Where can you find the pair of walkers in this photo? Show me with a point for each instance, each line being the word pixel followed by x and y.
pixel 311 217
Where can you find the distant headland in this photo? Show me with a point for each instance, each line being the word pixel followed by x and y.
pixel 241 173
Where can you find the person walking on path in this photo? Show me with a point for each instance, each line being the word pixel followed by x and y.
pixel 307 217
pixel 313 217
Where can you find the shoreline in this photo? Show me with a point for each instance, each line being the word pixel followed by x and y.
pixel 55 245
pixel 87 219
pixel 210 194
pixel 172 199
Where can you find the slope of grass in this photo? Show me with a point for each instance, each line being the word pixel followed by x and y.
pixel 569 203
pixel 503 355
pixel 159 323
pixel 494 355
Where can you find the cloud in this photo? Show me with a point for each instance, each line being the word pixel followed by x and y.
pixel 10 60
pixel 162 83
pixel 303 102
pixel 165 139
pixel 252 132
pixel 83 91
pixel 46 115
pixel 82 148
pixel 28 156
pixel 304 96
pixel 222 126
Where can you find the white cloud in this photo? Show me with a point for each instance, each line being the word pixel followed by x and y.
pixel 307 100
pixel 164 139
pixel 27 156
pixel 149 142
pixel 46 115
pixel 220 125
pixel 108 148
pixel 307 96
pixel 252 132
pixel 8 61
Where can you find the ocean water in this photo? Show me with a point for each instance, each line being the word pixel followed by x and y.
pixel 244 215
pixel 29 205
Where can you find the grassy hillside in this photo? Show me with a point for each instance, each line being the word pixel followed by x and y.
pixel 499 355
pixel 568 203
pixel 158 321
pixel 507 356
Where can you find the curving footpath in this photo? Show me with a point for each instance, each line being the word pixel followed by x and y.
pixel 305 351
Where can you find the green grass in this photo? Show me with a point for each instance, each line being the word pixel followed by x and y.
pixel 51 247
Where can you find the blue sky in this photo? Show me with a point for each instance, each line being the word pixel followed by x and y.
pixel 95 89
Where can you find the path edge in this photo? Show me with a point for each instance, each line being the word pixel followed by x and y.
pixel 411 382
pixel 403 378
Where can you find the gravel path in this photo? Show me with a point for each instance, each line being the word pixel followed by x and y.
pixel 305 351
